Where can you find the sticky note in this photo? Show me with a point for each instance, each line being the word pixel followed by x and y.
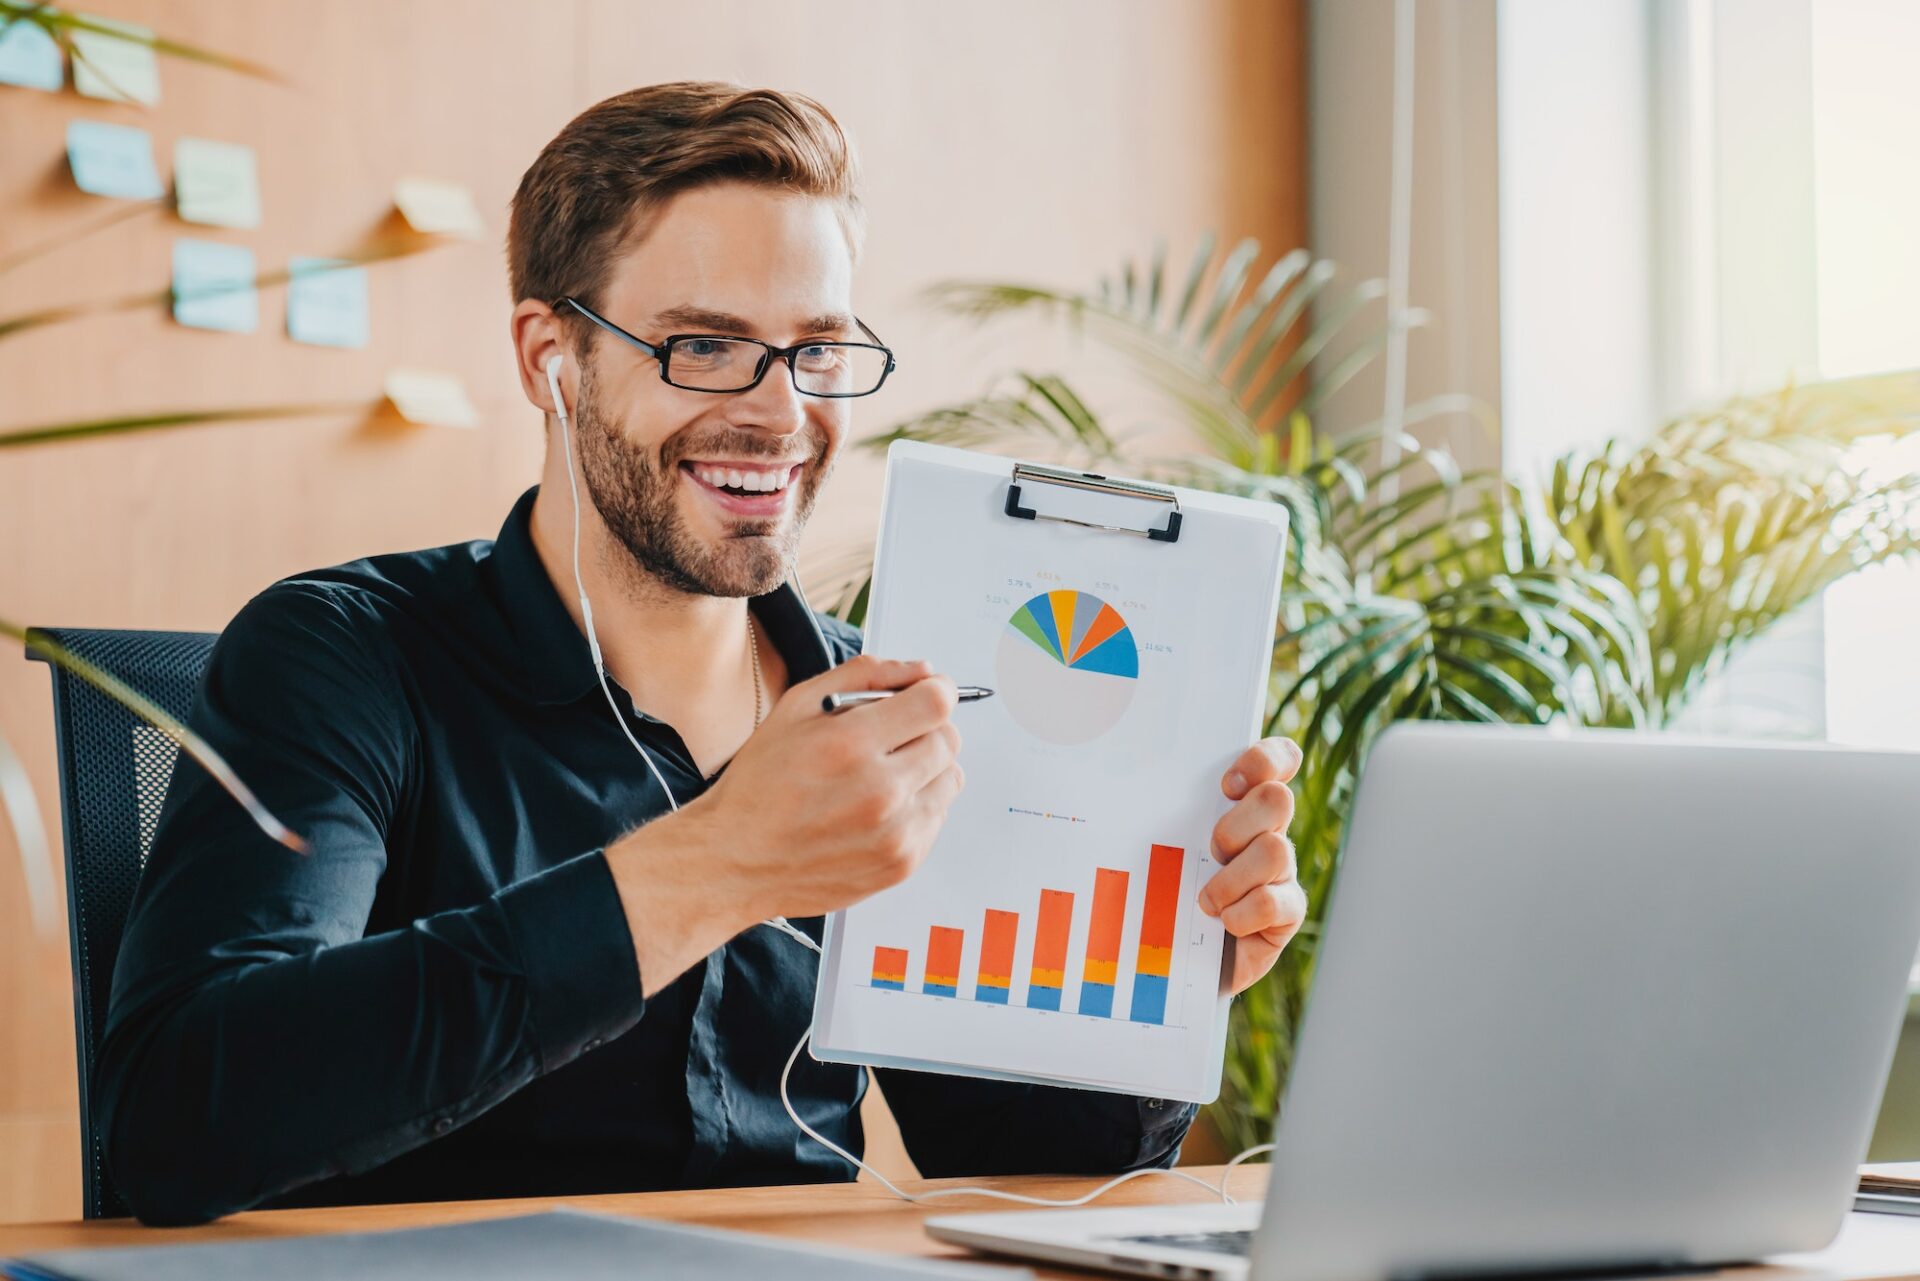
pixel 213 286
pixel 215 183
pixel 327 302
pixel 30 57
pixel 112 160
pixel 110 67
pixel 438 208
pixel 434 399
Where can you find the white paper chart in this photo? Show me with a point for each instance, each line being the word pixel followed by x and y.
pixel 1052 933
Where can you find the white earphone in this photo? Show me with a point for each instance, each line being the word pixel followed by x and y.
pixel 580 583
pixel 779 923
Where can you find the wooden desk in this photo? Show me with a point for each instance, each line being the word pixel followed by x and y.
pixel 865 1216
pixel 856 1215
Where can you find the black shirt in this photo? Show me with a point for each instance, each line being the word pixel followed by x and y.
pixel 441 1000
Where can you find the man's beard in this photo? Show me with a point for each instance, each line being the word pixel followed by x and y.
pixel 638 501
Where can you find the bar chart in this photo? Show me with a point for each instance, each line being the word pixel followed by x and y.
pixel 1102 962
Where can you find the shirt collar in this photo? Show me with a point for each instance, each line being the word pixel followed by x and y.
pixel 553 653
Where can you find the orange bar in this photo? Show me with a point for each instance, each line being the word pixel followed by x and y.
pixel 1050 939
pixel 890 966
pixel 1109 915
pixel 996 947
pixel 943 960
pixel 1163 907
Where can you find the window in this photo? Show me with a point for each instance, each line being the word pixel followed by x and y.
pixel 1866 116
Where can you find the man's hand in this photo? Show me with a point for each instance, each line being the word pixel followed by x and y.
pixel 1255 895
pixel 814 812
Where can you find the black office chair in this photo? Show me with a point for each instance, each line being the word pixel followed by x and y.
pixel 114 769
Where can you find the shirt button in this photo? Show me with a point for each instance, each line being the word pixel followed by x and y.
pixel 441 1124
pixel 1154 1105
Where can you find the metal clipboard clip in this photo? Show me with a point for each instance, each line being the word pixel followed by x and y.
pixel 1095 483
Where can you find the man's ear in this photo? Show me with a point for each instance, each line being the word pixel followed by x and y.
pixel 537 338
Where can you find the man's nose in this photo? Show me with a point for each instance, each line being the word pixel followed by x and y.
pixel 775 403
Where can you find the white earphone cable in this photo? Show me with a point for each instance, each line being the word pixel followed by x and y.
pixel 787 927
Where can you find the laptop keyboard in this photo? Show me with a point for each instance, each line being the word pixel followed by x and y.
pixel 1237 1241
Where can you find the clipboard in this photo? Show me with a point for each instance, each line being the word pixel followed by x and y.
pixel 1052 933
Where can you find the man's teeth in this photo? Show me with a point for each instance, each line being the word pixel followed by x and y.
pixel 764 481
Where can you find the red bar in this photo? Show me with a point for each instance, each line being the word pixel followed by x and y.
pixel 996 947
pixel 1109 915
pixel 1050 939
pixel 1163 907
pixel 943 958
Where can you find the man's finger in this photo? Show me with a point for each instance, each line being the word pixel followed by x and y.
pixel 1267 859
pixel 865 671
pixel 922 698
pixel 925 758
pixel 1255 954
pixel 1270 758
pixel 1266 907
pixel 919 708
pixel 1267 808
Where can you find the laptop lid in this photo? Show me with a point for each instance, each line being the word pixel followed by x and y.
pixel 1593 1000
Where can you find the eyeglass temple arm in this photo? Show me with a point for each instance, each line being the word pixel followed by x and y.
pixel 892 361
pixel 609 326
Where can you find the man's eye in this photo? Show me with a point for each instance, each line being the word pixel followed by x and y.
pixel 824 356
pixel 699 348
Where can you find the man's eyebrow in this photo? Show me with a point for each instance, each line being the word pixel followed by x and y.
pixel 691 319
pixel 829 322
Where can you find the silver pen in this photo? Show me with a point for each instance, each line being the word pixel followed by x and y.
pixel 840 702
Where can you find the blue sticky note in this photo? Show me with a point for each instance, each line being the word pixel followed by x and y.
pixel 213 286
pixel 30 57
pixel 327 302
pixel 112 160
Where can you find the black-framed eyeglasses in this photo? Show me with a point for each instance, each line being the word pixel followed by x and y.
pixel 723 363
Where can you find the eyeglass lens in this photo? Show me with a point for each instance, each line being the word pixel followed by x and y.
pixel 723 364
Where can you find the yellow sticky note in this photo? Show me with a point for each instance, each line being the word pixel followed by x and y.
pixel 106 66
pixel 438 208
pixel 215 183
pixel 430 398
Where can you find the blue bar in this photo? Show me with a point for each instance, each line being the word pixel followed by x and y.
pixel 990 994
pixel 1097 999
pixel 937 989
pixel 1043 998
pixel 890 985
pixel 1149 998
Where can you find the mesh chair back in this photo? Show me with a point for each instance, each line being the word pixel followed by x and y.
pixel 114 769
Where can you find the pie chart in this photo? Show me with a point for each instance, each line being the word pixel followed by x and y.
pixel 1068 666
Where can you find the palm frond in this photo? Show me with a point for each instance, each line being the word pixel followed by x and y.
pixel 123 424
pixel 153 714
pixel 1224 353
pixel 61 25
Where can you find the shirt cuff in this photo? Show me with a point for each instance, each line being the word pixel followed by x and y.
pixel 1158 1116
pixel 576 953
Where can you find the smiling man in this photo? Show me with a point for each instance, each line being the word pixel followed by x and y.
pixel 526 954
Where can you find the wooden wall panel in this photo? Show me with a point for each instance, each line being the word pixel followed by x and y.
pixel 1004 137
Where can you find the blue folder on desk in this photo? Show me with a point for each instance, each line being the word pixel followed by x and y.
pixel 569 1243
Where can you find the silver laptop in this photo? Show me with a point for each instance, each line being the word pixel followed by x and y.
pixel 1589 1001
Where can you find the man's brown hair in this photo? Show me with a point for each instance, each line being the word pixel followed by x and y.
pixel 596 185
